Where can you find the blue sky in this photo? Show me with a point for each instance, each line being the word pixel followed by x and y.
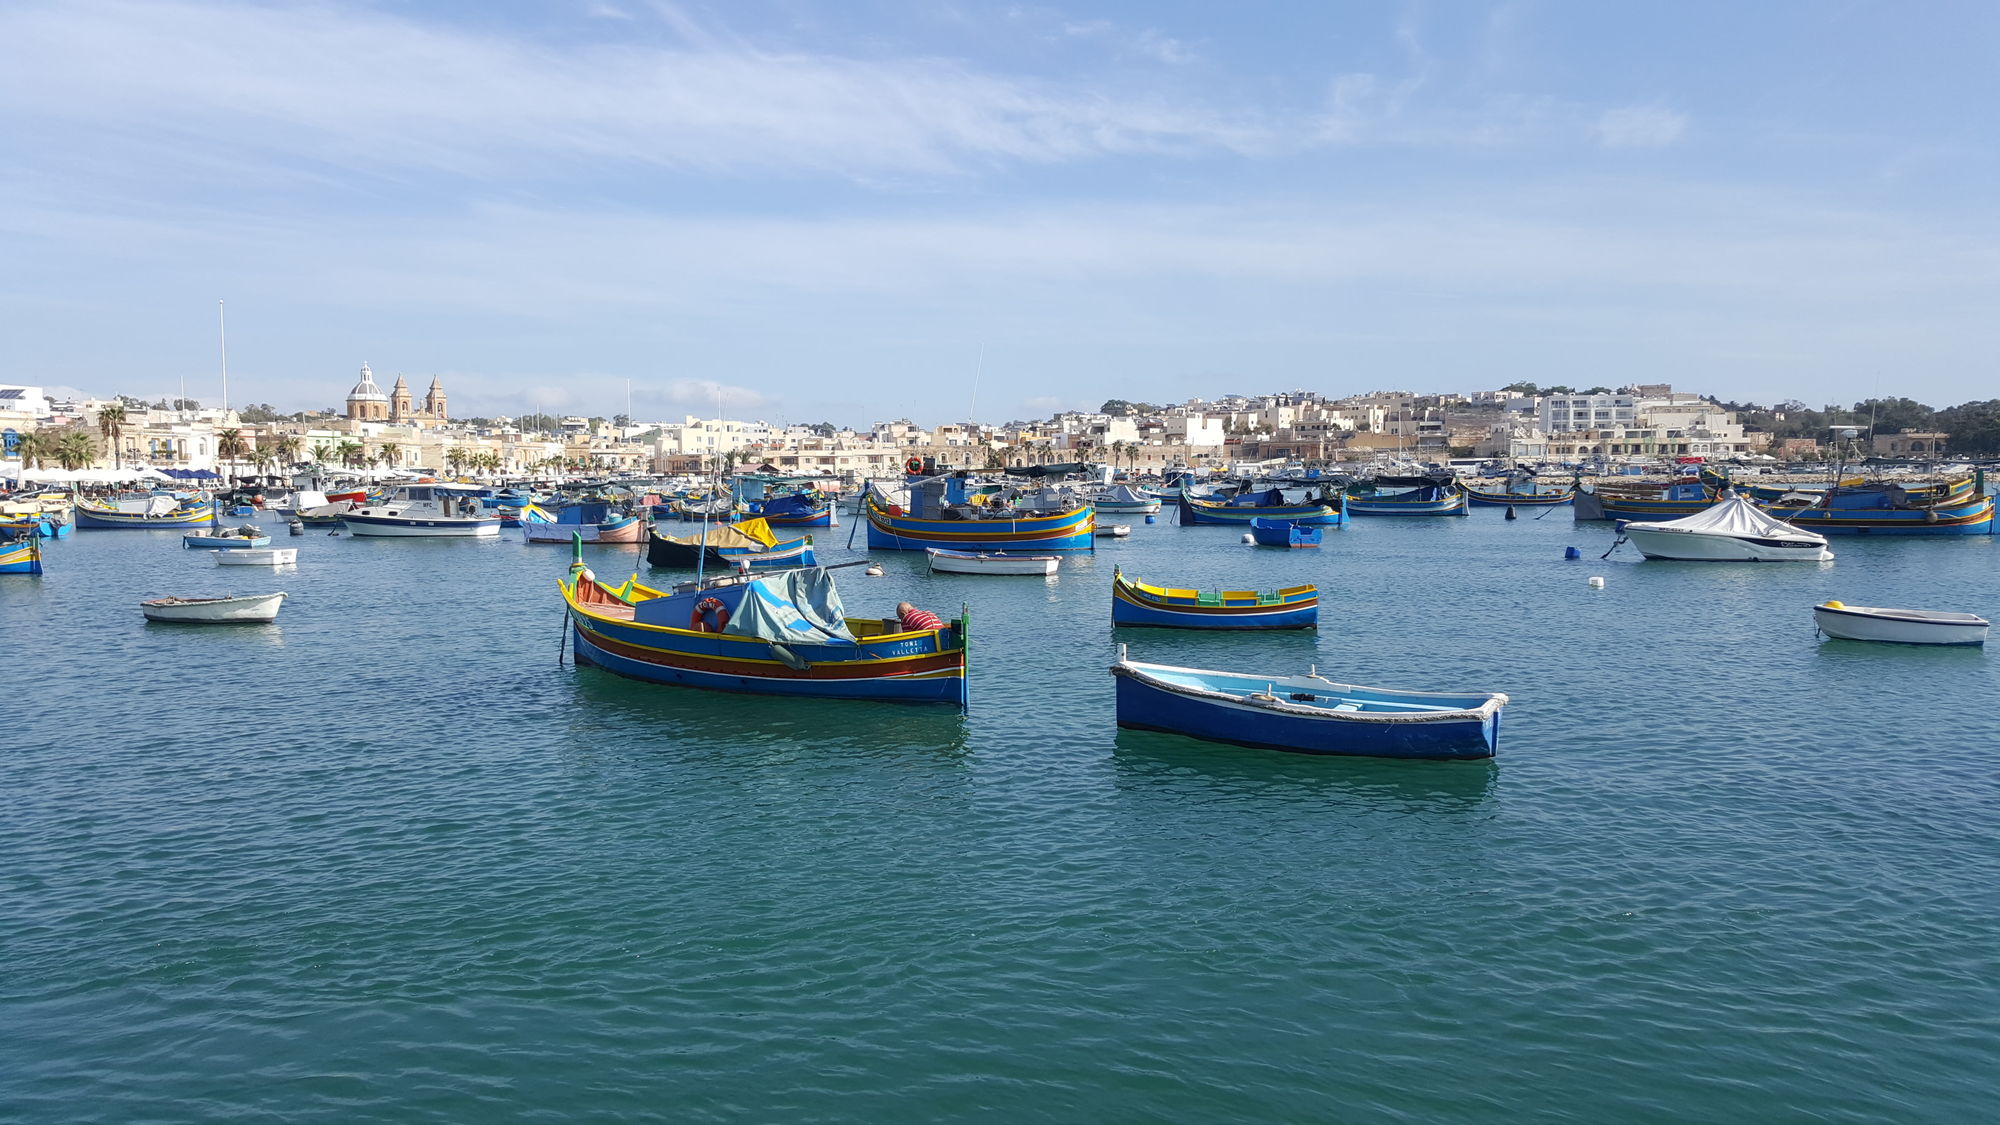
pixel 844 211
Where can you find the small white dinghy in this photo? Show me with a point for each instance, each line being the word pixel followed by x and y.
pixel 250 610
pixel 995 562
pixel 1113 530
pixel 263 556
pixel 1899 626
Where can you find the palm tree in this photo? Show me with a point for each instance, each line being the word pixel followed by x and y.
pixel 230 446
pixel 33 449
pixel 74 450
pixel 111 423
pixel 322 453
pixel 454 459
pixel 490 461
pixel 352 454
pixel 288 449
pixel 387 454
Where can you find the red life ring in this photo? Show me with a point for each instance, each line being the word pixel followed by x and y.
pixel 709 616
pixel 914 466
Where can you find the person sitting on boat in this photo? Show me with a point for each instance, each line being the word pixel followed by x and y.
pixel 914 620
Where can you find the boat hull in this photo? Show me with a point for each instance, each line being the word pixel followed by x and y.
pixel 1972 517
pixel 1064 531
pixel 215 611
pixel 666 553
pixel 1146 703
pixel 1679 546
pixel 268 556
pixel 1198 512
pixel 1453 505
pixel 1126 507
pixel 1284 533
pixel 924 667
pixel 21 557
pixel 1901 627
pixel 1133 604
pixel 404 527
pixel 224 542
pixel 103 518
pixel 1480 499
pixel 960 562
pixel 629 529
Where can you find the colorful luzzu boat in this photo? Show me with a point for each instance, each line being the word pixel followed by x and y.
pixel 748 545
pixel 1307 714
pixel 1136 603
pixel 1407 496
pixel 594 521
pixel 1285 533
pixel 21 556
pixel 1510 498
pixel 783 634
pixel 145 514
pixel 1241 510
pixel 939 515
pixel 1865 512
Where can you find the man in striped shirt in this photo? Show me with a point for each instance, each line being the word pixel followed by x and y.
pixel 915 620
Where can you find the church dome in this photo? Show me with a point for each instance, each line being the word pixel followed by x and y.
pixel 366 390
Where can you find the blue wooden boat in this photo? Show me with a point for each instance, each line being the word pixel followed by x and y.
pixel 21 555
pixel 1971 515
pixel 149 514
pixel 1407 496
pixel 1268 504
pixel 782 634
pixel 1284 533
pixel 940 514
pixel 795 510
pixel 48 525
pixel 1137 603
pixel 1307 714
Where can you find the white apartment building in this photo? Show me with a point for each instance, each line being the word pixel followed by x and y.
pixel 1563 414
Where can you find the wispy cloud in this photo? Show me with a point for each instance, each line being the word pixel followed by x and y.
pixel 372 89
pixel 1640 127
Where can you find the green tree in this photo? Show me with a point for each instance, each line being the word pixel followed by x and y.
pixel 353 454
pixel 1974 427
pixel 34 448
pixel 1896 415
pixel 111 423
pixel 74 450
pixel 324 452
pixel 388 454
pixel 230 447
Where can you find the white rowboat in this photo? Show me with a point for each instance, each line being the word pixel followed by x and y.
pixel 266 556
pixel 253 609
pixel 1899 626
pixel 970 562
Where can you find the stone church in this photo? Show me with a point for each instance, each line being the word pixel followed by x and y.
pixel 367 403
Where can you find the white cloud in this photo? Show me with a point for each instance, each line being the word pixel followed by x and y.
pixel 368 89
pixel 1640 127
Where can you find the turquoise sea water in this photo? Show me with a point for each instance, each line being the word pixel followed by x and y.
pixel 389 860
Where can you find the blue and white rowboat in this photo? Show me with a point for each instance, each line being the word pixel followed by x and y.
pixel 1307 714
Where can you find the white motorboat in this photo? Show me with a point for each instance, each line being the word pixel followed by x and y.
pixel 1113 530
pixel 249 610
pixel 261 556
pixel 995 562
pixel 1733 530
pixel 419 510
pixel 1899 626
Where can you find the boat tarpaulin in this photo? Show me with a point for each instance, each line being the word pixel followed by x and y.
pixel 750 535
pixel 1735 515
pixel 799 607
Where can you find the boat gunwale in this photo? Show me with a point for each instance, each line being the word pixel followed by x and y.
pixel 1139 672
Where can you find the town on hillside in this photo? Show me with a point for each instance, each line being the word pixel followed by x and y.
pixel 392 431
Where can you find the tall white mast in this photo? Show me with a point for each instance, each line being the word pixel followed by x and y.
pixel 222 341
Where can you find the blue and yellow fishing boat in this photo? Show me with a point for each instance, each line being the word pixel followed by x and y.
pixel 783 634
pixel 1407 496
pixel 798 509
pixel 1307 714
pixel 1267 504
pixel 48 525
pixel 1648 503
pixel 1137 603
pixel 22 555
pixel 1968 515
pixel 147 513
pixel 940 514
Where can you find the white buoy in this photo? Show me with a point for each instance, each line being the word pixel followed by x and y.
pixel 873 571
pixel 1249 538
pixel 1597 582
